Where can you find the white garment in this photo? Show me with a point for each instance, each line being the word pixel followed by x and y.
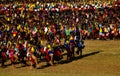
pixel 45 29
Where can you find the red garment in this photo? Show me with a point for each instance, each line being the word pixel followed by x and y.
pixel 52 27
pixel 3 55
pixel 47 57
pixel 54 31
pixel 11 55
pixel 57 53
pixel 12 58
pixel 20 47
pixel 42 51
pixel 15 33
pixel 32 60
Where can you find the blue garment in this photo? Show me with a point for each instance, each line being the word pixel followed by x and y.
pixel 77 38
pixel 71 41
pixel 80 44
pixel 66 45
pixel 0 33
pixel 50 52
pixel 100 25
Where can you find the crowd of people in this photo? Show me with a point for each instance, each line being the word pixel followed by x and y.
pixel 24 27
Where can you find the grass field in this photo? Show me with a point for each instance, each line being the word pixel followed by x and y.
pixel 100 58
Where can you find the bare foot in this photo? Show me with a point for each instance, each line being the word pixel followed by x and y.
pixel 13 66
pixel 31 67
pixel 51 63
pixel 37 66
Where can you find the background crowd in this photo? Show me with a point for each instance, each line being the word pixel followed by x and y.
pixel 95 19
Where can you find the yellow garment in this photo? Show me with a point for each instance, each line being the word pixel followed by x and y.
pixel 9 42
pixel 31 38
pixel 28 31
pixel 32 49
pixel 20 8
pixel 48 46
pixel 68 4
pixel 23 16
pixel 105 30
pixel 71 38
pixel 73 28
pixel 25 29
pixel 47 23
pixel 8 28
pixel 53 45
pixel 31 6
pixel 90 2
pixel 28 45
pixel 49 49
pixel 67 41
pixel 100 30
pixel 20 42
pixel 14 35
pixel 8 19
pixel 18 27
pixel 41 42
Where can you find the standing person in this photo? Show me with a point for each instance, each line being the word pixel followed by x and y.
pixel 100 31
pixel 11 55
pixel 105 32
pixel 77 33
pixel 48 54
pixel 72 45
pixel 115 32
pixel 79 42
pixel 32 57
pixel 21 52
pixel 57 49
pixel 67 48
pixel 3 54
pixel 111 32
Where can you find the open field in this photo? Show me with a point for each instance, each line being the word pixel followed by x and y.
pixel 100 58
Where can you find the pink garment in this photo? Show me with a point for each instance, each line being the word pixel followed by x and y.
pixel 11 53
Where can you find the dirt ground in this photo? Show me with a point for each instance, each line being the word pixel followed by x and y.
pixel 100 58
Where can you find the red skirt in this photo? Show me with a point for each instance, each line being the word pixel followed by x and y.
pixel 32 60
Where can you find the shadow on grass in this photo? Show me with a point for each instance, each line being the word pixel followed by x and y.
pixel 80 57
pixel 45 66
pixel 22 65
pixel 86 55
pixel 61 62
pixel 5 66
pixel 16 63
pixel 75 58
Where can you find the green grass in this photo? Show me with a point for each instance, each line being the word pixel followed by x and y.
pixel 100 58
